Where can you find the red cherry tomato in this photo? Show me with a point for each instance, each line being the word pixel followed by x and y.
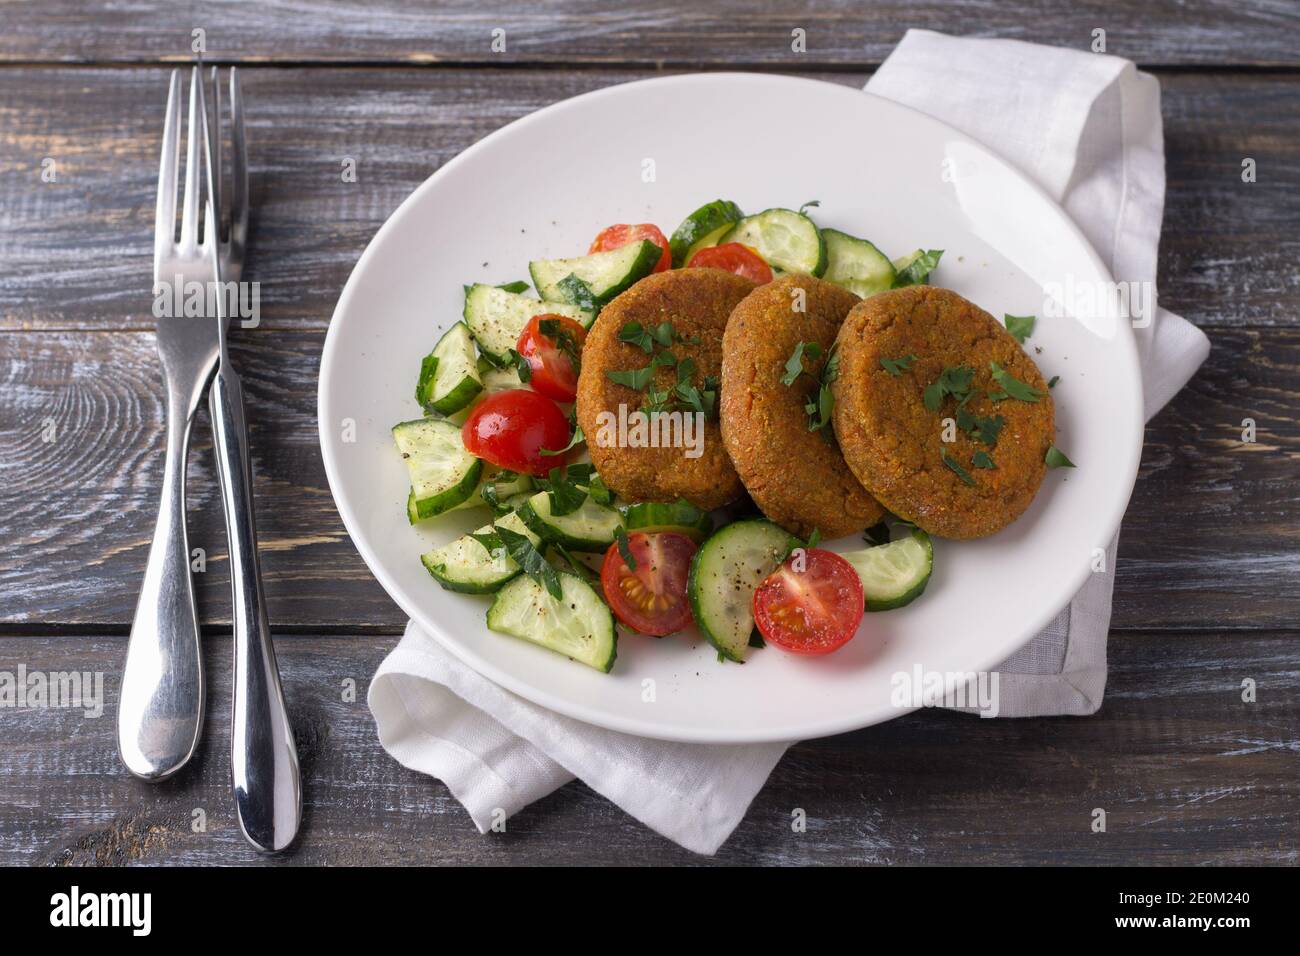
pixel 555 373
pixel 511 428
pixel 814 610
pixel 618 236
pixel 651 599
pixel 733 257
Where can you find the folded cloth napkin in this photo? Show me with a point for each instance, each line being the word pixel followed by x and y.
pixel 1087 128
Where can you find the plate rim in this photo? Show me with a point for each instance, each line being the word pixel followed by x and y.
pixel 575 709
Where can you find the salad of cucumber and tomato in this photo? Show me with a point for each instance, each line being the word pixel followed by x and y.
pixel 562 557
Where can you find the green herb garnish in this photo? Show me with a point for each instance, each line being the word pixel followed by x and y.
pixel 982 459
pixel 599 491
pixel 898 366
pixel 1054 380
pixel 952 463
pixel 636 378
pixel 877 534
pixel 530 560
pixel 574 441
pixel 563 491
pixel 578 292
pixel 520 364
pixel 634 334
pixel 1011 386
pixel 518 286
pixel 1020 326
pixel 919 269
pixel 952 382
pixel 624 549
pixel 1055 458
pixel 794 364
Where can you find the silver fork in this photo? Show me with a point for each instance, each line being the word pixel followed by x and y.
pixel 160 712
pixel 263 757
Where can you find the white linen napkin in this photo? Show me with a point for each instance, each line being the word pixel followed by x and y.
pixel 1087 128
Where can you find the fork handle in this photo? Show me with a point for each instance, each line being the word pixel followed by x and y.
pixel 160 707
pixel 263 758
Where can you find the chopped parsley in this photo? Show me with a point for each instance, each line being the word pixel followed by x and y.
pixel 953 382
pixel 576 440
pixel 819 409
pixel 524 554
pixel 624 549
pixel 984 429
pixel 982 459
pixel 1011 386
pixel 919 269
pixel 1055 458
pixel 898 366
pixel 578 292
pixel 562 489
pixel 952 463
pixel 520 364
pixel 1020 326
pixel 794 364
pixel 877 534
pixel 1054 380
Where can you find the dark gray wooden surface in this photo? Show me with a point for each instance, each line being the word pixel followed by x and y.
pixel 1207 590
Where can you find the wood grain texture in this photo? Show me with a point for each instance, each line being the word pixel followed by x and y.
pixel 753 32
pixel 1209 541
pixel 76 253
pixel 1186 772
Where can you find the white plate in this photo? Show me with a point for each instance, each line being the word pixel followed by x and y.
pixel 544 185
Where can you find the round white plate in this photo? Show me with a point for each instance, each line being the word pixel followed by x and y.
pixel 652 151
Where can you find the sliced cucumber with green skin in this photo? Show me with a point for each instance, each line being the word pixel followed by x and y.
pixel 710 222
pixel 496 318
pixel 578 625
pixel 788 240
pixel 680 516
pixel 604 274
pixel 449 376
pixel 589 528
pixel 856 264
pixel 501 379
pixel 443 474
pixel 465 565
pixel 894 574
pixel 724 574
pixel 497 494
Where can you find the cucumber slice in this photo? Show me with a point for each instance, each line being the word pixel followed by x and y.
pixel 680 516
pixel 590 528
pixel 496 317
pixel 601 275
pixel 894 574
pixel 501 379
pixel 724 575
pixel 710 222
pixel 579 625
pixel 449 376
pixel 467 566
pixel 443 474
pixel 787 239
pixel 856 264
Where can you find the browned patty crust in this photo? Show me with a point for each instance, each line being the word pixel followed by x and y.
pixel 697 302
pixel 894 443
pixel 797 478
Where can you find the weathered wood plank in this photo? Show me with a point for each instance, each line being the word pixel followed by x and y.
pixel 76 253
pixel 838 33
pixel 1186 772
pixel 1208 541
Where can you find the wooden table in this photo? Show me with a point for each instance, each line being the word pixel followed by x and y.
pixel 1208 576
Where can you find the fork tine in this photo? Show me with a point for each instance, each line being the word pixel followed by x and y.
pixel 239 165
pixel 215 128
pixel 194 168
pixel 164 223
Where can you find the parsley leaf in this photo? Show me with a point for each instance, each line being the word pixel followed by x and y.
pixel 982 459
pixel 576 440
pixel 580 569
pixel 578 292
pixel 1054 380
pixel 664 334
pixel 979 427
pixel 809 205
pixel 518 286
pixel 815 538
pixel 819 410
pixel 919 269
pixel 599 491
pixel 703 399
pixel 1020 326
pixel 633 334
pixel 531 561
pixel 624 549
pixel 952 463
pixel 520 364
pixel 1056 458
pixel 563 492
pixel 877 534
pixel 898 366
pixel 794 364
pixel 1012 386
pixel 635 378
pixel 953 381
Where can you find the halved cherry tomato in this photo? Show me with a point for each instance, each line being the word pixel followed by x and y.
pixel 555 373
pixel 618 236
pixel 733 257
pixel 811 604
pixel 511 428
pixel 651 599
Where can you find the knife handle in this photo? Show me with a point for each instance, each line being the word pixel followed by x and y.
pixel 263 758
